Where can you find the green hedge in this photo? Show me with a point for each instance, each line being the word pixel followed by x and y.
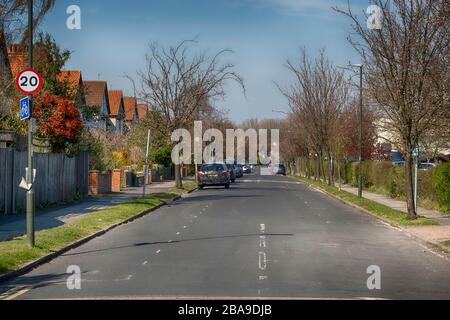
pixel 383 177
pixel 441 185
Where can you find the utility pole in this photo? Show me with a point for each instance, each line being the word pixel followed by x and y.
pixel 416 154
pixel 29 178
pixel 360 186
pixel 360 124
pixel 146 164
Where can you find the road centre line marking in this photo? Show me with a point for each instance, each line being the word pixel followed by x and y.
pixel 262 261
pixel 262 241
pixel 158 251
pixel 263 228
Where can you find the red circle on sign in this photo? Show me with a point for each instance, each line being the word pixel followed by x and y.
pixel 27 82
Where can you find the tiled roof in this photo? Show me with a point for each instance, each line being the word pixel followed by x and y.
pixel 18 58
pixel 94 92
pixel 130 108
pixel 142 111
pixel 115 97
pixel 72 77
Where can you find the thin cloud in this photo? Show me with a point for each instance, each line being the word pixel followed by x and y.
pixel 305 6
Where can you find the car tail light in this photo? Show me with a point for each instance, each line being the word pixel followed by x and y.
pixel 201 174
pixel 224 173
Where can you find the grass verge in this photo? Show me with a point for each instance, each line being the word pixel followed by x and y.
pixel 379 210
pixel 15 253
pixel 187 186
pixel 446 243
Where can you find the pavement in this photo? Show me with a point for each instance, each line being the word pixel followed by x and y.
pixel 267 236
pixel 14 226
pixel 444 219
pixel 433 234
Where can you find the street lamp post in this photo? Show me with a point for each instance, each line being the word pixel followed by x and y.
pixel 147 153
pixel 360 124
pixel 360 130
pixel 29 176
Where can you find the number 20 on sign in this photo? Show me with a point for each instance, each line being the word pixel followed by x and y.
pixel 29 81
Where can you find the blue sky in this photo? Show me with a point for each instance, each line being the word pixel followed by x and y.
pixel 262 33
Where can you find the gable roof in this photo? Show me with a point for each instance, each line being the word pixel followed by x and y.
pixel 72 77
pixel 142 110
pixel 18 58
pixel 115 99
pixel 130 108
pixel 95 92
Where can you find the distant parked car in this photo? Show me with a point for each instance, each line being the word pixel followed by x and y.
pixel 279 169
pixel 398 163
pixel 232 172
pixel 426 166
pixel 247 168
pixel 240 171
pixel 214 175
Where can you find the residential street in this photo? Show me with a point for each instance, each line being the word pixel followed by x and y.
pixel 267 236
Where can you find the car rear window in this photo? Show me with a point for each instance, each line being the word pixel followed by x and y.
pixel 212 167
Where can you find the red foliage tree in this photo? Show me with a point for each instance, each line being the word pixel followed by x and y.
pixel 57 119
pixel 349 127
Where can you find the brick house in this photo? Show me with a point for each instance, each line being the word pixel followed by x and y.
pixel 117 110
pixel 131 113
pixel 74 82
pixel 18 58
pixel 97 105
pixel 142 111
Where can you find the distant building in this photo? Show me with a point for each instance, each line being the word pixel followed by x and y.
pixel 97 108
pixel 18 58
pixel 74 82
pixel 117 110
pixel 131 113
pixel 388 139
pixel 142 111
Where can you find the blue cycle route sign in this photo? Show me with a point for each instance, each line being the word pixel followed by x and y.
pixel 25 108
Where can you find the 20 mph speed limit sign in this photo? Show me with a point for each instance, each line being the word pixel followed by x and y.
pixel 29 81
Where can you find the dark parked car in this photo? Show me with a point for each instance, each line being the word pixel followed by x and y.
pixel 240 171
pixel 279 169
pixel 232 172
pixel 214 175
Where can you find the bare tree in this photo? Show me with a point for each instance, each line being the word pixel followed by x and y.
pixel 407 71
pixel 13 25
pixel 316 98
pixel 176 83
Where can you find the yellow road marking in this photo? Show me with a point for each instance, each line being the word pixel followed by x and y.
pixel 16 294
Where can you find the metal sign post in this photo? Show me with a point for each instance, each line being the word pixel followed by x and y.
pixel 30 193
pixel 415 154
pixel 146 163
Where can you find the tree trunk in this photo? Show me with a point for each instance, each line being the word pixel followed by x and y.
pixel 308 167
pixel 178 180
pixel 339 174
pixel 409 186
pixel 321 169
pixel 330 170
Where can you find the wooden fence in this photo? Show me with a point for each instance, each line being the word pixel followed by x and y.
pixel 59 179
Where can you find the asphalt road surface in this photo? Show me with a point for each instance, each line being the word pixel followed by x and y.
pixel 264 237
